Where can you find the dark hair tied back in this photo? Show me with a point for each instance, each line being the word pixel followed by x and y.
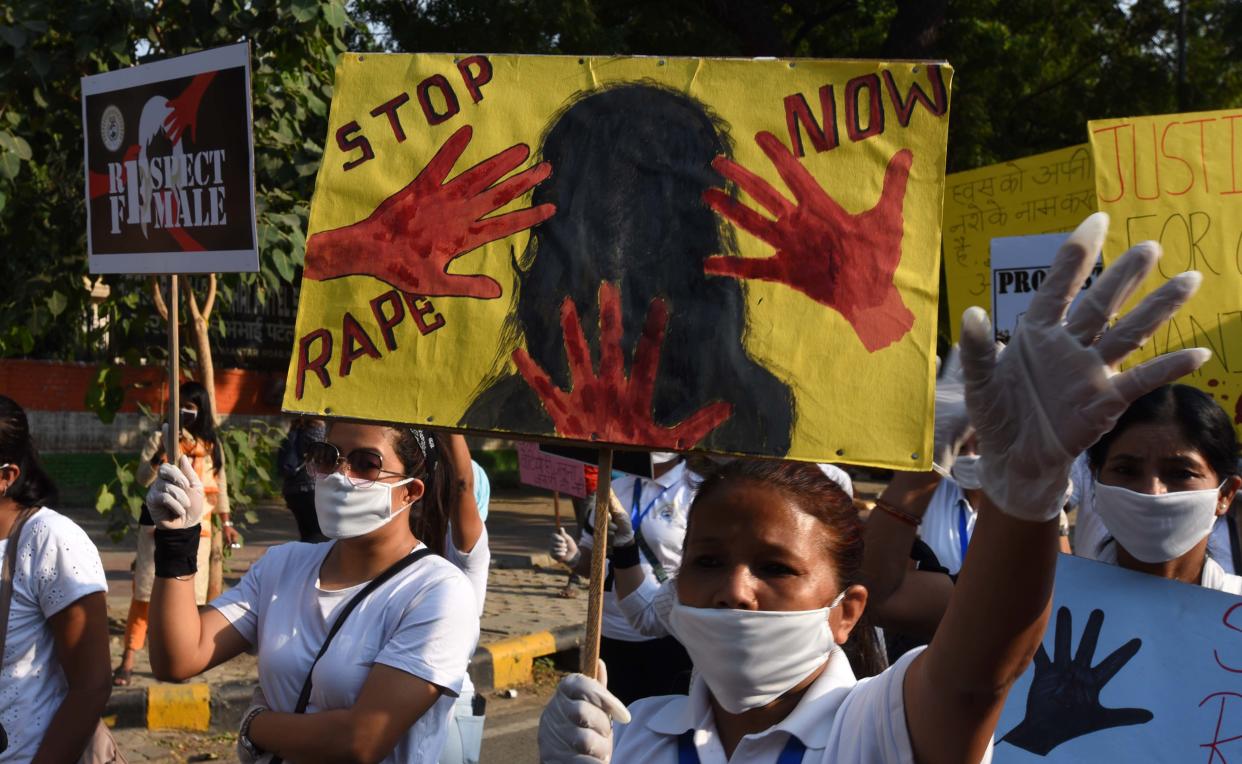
pixel 419 451
pixel 33 487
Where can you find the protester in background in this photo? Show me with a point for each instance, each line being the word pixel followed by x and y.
pixel 769 587
pixel 653 517
pixel 200 443
pixel 298 486
pixel 582 510
pixel 1163 477
pixel 54 676
pixel 464 495
pixel 385 685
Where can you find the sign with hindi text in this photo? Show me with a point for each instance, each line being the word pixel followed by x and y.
pixel 736 256
pixel 1044 193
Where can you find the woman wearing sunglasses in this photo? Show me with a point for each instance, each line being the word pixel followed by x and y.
pixel 383 688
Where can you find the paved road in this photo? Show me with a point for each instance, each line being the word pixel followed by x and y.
pixel 508 738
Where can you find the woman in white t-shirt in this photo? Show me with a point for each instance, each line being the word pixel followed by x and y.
pixel 385 687
pixel 55 679
pixel 768 586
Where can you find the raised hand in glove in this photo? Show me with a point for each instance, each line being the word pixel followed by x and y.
pixel 1056 389
pixel 563 548
pixel 952 421
pixel 620 527
pixel 176 498
pixel 576 725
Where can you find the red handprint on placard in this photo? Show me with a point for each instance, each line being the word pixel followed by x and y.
pixel 607 405
pixel 412 236
pixel 843 261
pixel 183 110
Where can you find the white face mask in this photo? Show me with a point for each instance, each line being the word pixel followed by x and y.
pixel 346 511
pixel 1156 527
pixel 659 458
pixel 965 471
pixel 751 657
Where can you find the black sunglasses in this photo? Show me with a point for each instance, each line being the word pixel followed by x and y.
pixel 363 466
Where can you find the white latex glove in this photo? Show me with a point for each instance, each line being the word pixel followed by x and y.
pixel 176 497
pixel 952 422
pixel 1056 389
pixel 563 548
pixel 576 725
pixel 257 700
pixel 620 527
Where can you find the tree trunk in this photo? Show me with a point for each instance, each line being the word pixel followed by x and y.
pixel 200 315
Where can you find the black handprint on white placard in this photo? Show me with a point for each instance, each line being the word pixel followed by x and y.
pixel 1064 699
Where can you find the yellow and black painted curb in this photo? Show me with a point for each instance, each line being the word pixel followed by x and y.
pixel 511 662
pixel 193 705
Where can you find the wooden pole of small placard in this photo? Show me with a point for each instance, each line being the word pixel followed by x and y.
pixel 599 553
pixel 172 448
pixel 556 508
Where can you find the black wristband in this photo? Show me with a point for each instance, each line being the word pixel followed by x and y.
pixel 625 556
pixel 176 552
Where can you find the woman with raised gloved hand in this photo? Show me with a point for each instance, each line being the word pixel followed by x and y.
pixel 766 590
pixel 362 643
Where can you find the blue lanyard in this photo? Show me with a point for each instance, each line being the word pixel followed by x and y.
pixel 962 537
pixel 636 517
pixel 687 754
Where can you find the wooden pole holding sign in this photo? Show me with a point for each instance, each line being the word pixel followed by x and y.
pixel 556 507
pixel 599 553
pixel 172 448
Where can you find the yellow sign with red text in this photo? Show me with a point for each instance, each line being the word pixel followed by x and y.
pixel 1177 179
pixel 727 255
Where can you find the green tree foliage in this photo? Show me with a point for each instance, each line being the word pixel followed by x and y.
pixel 45 48
pixel 1029 73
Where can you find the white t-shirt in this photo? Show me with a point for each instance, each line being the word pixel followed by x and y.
pixel 413 622
pixel 660 510
pixel 942 524
pixel 57 565
pixel 839 720
pixel 475 565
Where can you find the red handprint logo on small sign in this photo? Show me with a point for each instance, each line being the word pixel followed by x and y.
pixel 840 260
pixel 608 405
pixel 411 238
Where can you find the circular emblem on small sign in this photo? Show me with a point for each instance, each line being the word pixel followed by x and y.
pixel 112 128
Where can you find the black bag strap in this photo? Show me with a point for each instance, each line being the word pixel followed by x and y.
pixel 377 582
pixel 355 601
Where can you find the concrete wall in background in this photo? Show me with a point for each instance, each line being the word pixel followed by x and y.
pixel 54 396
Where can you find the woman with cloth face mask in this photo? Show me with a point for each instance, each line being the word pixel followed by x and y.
pixel 772 577
pixel 1163 476
pixel 384 688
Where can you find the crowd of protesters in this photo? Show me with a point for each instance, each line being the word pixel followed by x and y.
pixel 752 613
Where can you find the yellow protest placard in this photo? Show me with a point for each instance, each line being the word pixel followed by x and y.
pixel 1044 193
pixel 731 255
pixel 1177 179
